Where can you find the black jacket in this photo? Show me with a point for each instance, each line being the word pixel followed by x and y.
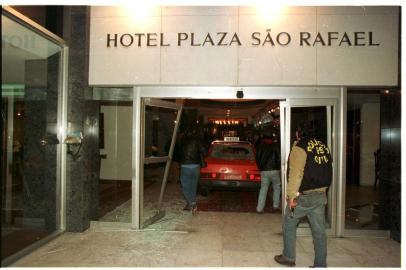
pixel 268 156
pixel 191 151
pixel 318 170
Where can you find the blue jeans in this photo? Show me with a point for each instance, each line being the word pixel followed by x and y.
pixel 266 178
pixel 189 177
pixel 312 206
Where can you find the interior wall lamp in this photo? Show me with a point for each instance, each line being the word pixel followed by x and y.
pixel 74 143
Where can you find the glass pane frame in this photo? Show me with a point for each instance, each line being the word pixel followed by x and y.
pixel 116 96
pixel 139 160
pixel 61 127
pixel 349 104
pixel 167 159
pixel 332 142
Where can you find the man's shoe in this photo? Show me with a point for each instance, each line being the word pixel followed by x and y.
pixel 260 212
pixel 187 207
pixel 283 260
pixel 276 210
pixel 194 210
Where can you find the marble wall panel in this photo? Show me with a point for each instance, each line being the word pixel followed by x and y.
pixel 341 66
pixel 390 158
pixel 202 63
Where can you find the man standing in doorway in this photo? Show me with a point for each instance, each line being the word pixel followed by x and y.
pixel 310 175
pixel 191 154
pixel 269 161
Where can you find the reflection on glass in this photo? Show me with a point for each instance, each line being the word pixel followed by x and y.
pixel 363 144
pixel 153 176
pixel 317 116
pixel 30 83
pixel 159 126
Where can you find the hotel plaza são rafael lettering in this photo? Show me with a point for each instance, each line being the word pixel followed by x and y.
pixel 263 39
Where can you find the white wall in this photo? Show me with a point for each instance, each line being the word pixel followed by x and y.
pixel 244 65
pixel 369 142
pixel 117 143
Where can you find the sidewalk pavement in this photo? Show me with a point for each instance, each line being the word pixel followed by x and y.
pixel 209 239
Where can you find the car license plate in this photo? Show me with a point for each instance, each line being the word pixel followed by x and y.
pixel 233 176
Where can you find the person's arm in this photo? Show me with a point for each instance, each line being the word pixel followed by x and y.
pixel 258 157
pixel 203 149
pixel 297 161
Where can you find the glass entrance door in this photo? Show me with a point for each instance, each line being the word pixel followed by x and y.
pixel 320 113
pixel 159 128
pixel 32 85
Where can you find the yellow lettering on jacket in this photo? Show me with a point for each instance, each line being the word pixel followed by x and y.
pixel 321 151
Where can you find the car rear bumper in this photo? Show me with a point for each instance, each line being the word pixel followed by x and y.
pixel 230 183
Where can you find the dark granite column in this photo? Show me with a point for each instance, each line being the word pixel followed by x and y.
pixel 390 162
pixel 83 116
pixel 50 139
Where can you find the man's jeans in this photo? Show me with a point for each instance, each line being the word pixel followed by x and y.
pixel 189 177
pixel 312 206
pixel 266 178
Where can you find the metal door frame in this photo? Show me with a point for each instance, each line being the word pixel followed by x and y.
pixel 332 142
pixel 200 92
pixel 149 160
pixel 139 159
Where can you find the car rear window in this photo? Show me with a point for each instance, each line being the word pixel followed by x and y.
pixel 232 152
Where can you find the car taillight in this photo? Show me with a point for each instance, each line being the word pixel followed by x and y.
pixel 254 176
pixel 209 175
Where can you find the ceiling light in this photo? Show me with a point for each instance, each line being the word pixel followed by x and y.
pixel 139 11
pixel 269 11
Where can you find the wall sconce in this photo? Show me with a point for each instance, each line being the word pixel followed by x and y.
pixel 74 143
pixel 49 139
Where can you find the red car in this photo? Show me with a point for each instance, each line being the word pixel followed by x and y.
pixel 230 164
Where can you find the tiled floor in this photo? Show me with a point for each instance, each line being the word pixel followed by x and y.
pixel 207 239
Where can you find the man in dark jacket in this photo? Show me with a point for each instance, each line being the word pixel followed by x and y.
pixel 191 154
pixel 310 175
pixel 269 161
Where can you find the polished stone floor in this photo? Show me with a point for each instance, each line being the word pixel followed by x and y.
pixel 207 239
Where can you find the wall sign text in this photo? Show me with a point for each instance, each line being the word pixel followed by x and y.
pixel 256 39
